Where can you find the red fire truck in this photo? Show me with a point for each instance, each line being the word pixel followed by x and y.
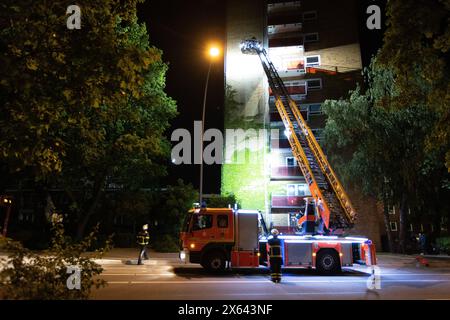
pixel 218 238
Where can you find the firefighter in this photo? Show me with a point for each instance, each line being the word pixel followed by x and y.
pixel 275 256
pixel 142 239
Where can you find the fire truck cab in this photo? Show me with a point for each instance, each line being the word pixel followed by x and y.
pixel 217 238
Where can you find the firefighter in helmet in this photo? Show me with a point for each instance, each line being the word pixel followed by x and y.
pixel 142 239
pixel 275 258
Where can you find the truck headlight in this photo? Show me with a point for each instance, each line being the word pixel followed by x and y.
pixel 183 255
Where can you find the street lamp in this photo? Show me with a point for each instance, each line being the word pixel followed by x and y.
pixel 6 201
pixel 213 53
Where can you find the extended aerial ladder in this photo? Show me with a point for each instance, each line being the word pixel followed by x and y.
pixel 332 202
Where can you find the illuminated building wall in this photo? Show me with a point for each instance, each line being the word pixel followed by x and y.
pixel 245 106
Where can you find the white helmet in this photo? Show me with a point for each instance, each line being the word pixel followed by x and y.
pixel 145 227
pixel 275 232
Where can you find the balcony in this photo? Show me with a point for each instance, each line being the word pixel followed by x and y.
pixel 287 201
pixel 285 35
pixel 296 89
pixel 285 172
pixel 284 13
pixel 284 7
pixel 286 42
pixel 289 61
pixel 288 30
pixel 280 144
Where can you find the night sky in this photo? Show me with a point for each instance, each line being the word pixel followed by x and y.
pixel 183 30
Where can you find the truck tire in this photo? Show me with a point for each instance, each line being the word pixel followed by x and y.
pixel 214 261
pixel 328 262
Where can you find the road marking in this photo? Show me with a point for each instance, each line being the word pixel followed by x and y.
pixel 137 274
pixel 415 274
pixel 296 293
pixel 261 281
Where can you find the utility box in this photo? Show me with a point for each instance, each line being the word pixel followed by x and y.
pixel 244 259
pixel 247 230
pixel 298 255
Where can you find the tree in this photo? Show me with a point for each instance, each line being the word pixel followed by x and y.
pixel 416 48
pixel 383 150
pixel 132 151
pixel 222 201
pixel 55 80
pixel 168 213
pixel 82 109
pixel 44 276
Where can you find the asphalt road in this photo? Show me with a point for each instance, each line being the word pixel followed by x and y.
pixel 165 278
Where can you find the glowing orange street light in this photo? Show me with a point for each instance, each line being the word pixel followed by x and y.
pixel 214 52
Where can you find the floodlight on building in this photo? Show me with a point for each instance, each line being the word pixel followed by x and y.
pixel 251 46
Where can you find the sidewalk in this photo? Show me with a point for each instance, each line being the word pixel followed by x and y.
pixel 402 260
pixel 388 260
pixel 123 255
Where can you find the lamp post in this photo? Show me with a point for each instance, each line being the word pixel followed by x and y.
pixel 213 53
pixel 6 201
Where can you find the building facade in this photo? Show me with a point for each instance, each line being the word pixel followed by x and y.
pixel 314 44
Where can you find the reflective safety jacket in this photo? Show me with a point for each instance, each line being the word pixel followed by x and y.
pixel 143 238
pixel 274 248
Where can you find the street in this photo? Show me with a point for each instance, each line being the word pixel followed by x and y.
pixel 164 277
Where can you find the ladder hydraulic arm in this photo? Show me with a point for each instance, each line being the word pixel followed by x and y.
pixel 333 203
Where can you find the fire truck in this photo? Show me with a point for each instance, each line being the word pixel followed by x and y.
pixel 218 238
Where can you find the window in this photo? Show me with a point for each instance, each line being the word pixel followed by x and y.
pixel 309 15
pixel 297 190
pixel 222 221
pixel 392 210
pixel 290 161
pixel 393 226
pixel 315 109
pixel 314 84
pixel 317 133
pixel 201 221
pixel 443 224
pixel 411 228
pixel 312 61
pixel 311 37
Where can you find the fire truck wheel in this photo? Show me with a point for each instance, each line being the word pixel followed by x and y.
pixel 214 261
pixel 328 262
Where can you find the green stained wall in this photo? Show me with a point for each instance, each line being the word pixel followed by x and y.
pixel 246 104
pixel 248 182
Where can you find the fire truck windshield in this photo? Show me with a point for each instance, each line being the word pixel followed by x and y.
pixel 187 222
pixel 201 221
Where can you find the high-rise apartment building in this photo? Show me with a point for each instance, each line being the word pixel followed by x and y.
pixel 314 44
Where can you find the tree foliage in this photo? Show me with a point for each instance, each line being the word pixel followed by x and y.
pixel 416 49
pixel 43 276
pixel 393 139
pixel 168 212
pixel 383 150
pixel 84 109
pixel 222 201
pixel 55 80
pixel 172 206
